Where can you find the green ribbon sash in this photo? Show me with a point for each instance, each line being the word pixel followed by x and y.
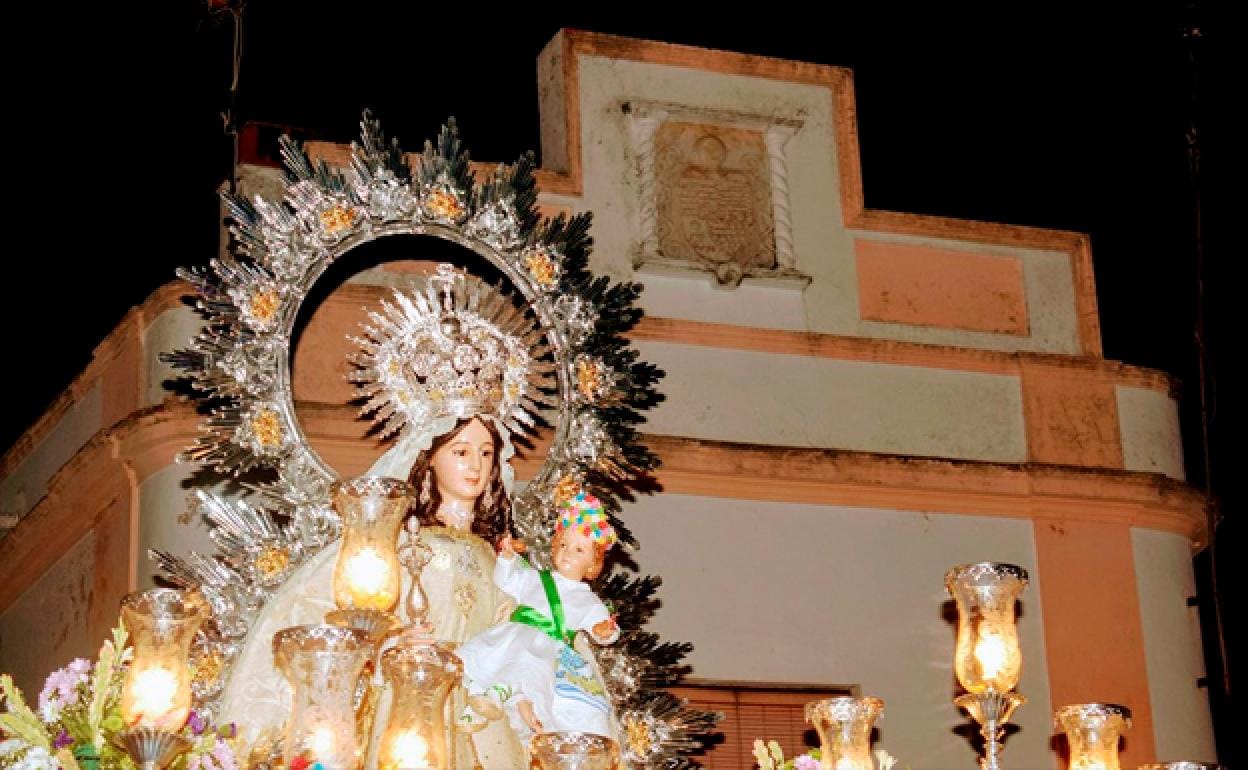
pixel 552 625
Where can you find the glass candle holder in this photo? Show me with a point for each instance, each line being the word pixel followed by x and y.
pixel 417 733
pixel 366 575
pixel 1093 731
pixel 844 727
pixel 575 751
pixel 323 664
pixel 162 622
pixel 376 624
pixel 987 656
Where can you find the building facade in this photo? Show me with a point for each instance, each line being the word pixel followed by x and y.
pixel 857 400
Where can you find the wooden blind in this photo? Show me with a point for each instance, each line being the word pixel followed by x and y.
pixel 750 713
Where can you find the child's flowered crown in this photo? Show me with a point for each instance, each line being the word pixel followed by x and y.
pixel 584 512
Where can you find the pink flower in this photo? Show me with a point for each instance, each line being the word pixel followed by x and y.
pixel 224 756
pixel 805 762
pixel 60 689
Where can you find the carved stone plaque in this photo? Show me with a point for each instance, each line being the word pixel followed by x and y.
pixel 713 195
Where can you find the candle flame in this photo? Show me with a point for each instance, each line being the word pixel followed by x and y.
pixel 367 572
pixel 154 690
pixel 321 742
pixel 992 653
pixel 410 750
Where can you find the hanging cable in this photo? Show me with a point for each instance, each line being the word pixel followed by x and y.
pixel 1208 403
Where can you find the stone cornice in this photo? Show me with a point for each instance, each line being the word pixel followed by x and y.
pixel 171 296
pixel 814 344
pixel 148 441
pixel 930 485
pixel 884 351
pixel 77 495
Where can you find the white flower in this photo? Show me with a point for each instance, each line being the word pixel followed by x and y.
pixel 884 760
pixel 37 758
pixel 11 746
pixel 50 710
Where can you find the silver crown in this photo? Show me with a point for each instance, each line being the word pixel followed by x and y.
pixel 454 347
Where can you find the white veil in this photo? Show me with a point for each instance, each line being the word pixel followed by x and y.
pixel 398 460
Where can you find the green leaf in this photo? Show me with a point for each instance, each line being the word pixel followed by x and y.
pixel 20 720
pixel 100 681
pixel 776 752
pixel 112 758
pixel 75 723
pixel 760 753
pixel 102 684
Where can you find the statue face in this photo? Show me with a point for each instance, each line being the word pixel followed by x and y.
pixel 464 465
pixel 574 554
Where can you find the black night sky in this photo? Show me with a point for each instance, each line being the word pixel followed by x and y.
pixel 1054 115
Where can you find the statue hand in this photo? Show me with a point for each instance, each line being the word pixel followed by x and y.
pixel 525 708
pixel 504 611
pixel 411 635
pixel 508 547
pixel 605 629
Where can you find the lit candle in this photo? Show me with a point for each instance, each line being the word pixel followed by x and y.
pixel 154 691
pixel 844 726
pixel 1093 731
pixel 368 574
pixel 410 750
pixel 162 623
pixel 992 652
pixel 421 678
pixel 323 664
pixel 321 742
pixel 986 657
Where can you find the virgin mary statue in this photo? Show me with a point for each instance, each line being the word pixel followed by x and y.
pixel 450 369
pixel 455 377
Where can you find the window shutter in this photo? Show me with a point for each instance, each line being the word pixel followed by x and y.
pixel 755 713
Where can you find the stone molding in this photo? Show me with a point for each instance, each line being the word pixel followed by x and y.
pixel 150 440
pixel 172 296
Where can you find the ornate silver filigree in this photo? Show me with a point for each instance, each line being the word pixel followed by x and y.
pixel 575 317
pixel 240 363
pixel 457 348
pixel 442 202
pixel 496 224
